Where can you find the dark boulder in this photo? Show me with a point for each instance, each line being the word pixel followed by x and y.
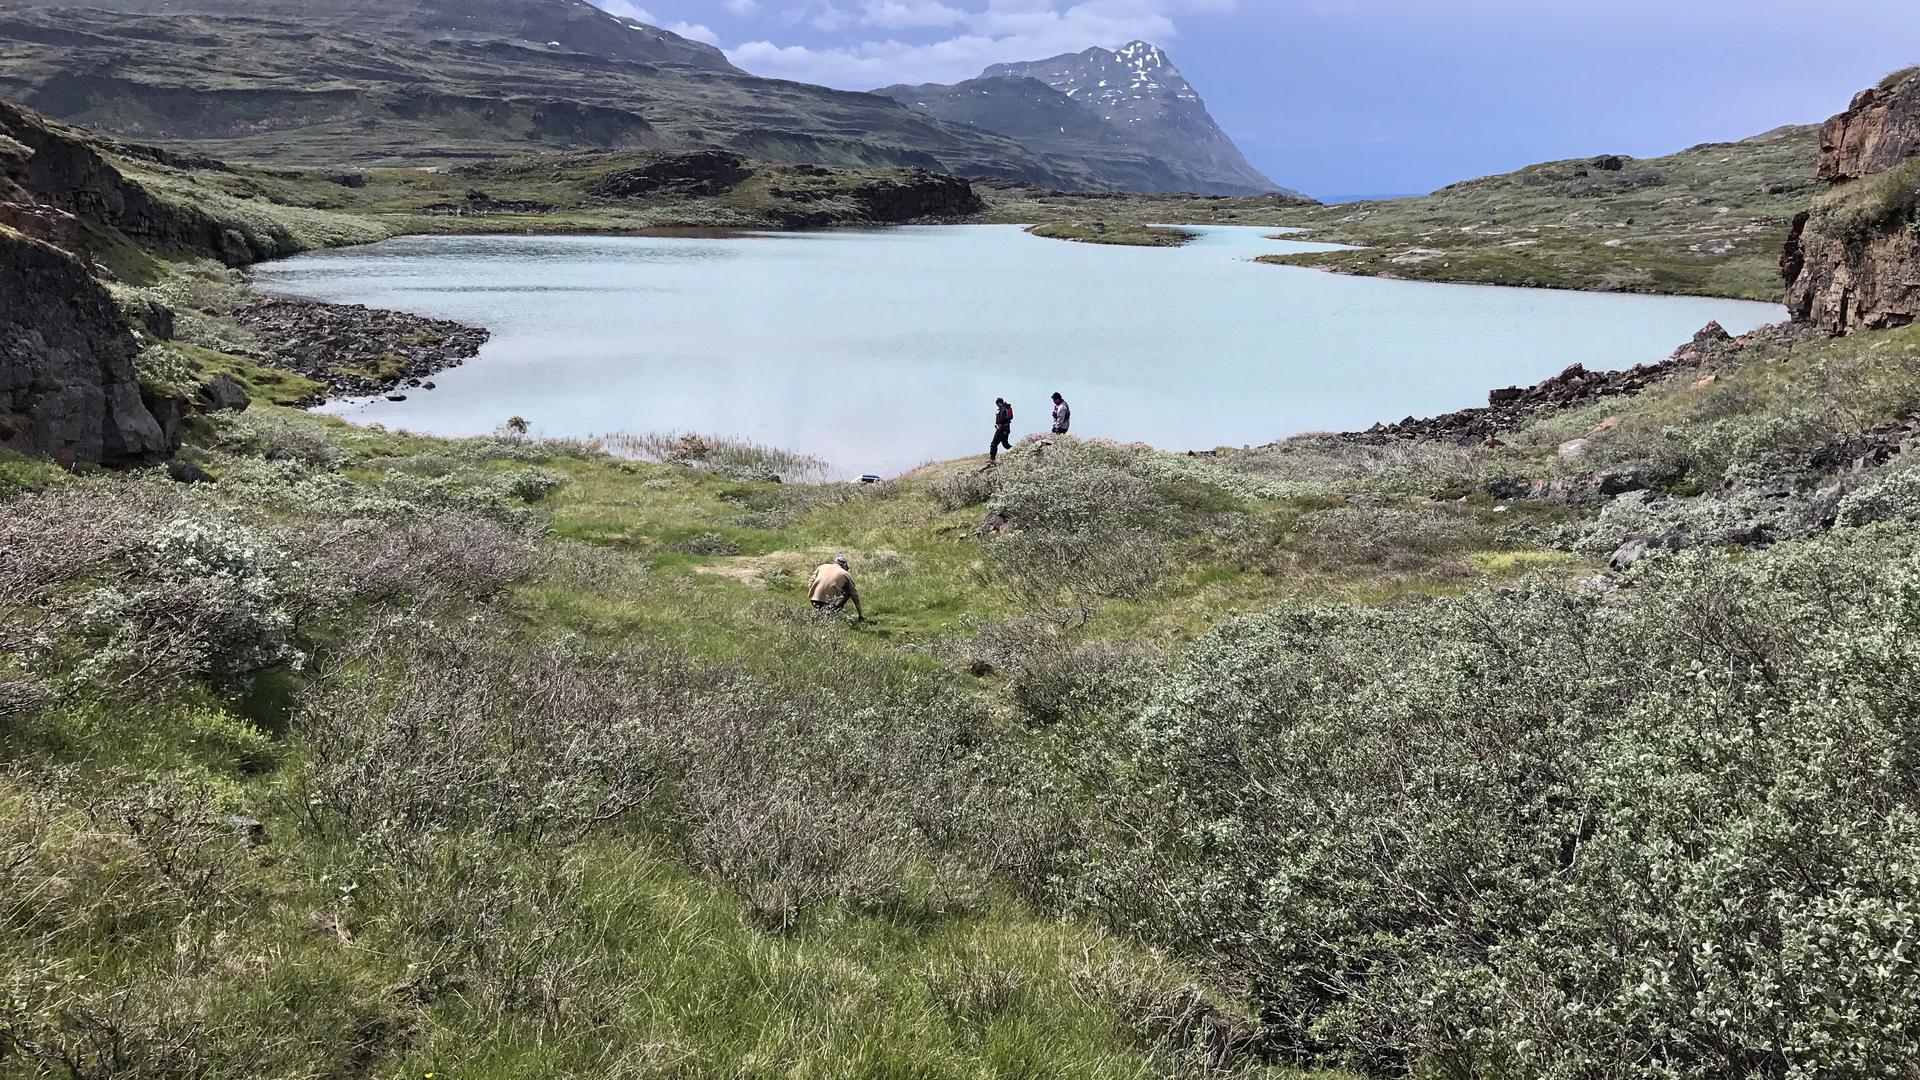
pixel 222 393
pixel 186 472
pixel 1711 333
pixel 67 385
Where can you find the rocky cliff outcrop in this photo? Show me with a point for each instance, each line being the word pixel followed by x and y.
pixel 799 196
pixel 67 385
pixel 52 179
pixel 916 195
pixel 1852 262
pixel 695 173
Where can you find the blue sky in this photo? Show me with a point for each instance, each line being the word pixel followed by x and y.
pixel 1340 97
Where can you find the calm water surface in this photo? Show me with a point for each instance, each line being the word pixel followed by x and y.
pixel 882 350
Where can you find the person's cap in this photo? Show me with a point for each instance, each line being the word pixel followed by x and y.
pixel 841 559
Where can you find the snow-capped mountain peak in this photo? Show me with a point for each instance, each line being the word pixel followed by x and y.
pixel 1137 89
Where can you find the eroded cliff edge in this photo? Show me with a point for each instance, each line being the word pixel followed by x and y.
pixel 1852 261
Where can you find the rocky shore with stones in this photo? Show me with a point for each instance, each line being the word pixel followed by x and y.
pixel 358 351
pixel 1511 407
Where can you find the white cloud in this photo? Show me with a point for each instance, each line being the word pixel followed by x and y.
pixel 742 8
pixel 695 32
pixel 983 32
pixel 900 14
pixel 626 9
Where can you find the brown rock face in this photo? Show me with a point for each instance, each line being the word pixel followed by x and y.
pixel 1879 130
pixel 1852 262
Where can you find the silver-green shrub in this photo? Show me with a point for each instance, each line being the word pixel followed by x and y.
pixel 199 598
pixel 1890 494
pixel 1084 523
pixel 1540 833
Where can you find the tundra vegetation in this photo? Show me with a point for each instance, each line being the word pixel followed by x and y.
pixel 1586 753
pixel 389 755
pixel 1707 221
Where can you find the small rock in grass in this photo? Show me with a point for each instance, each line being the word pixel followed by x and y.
pixel 186 472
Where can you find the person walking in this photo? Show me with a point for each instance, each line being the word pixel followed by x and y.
pixel 832 588
pixel 1062 416
pixel 1002 430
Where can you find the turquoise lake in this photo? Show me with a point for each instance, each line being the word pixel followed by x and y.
pixel 881 350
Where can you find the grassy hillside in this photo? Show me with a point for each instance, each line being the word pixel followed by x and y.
pixel 1706 221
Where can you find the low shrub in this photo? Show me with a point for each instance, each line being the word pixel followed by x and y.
pixel 1737 517
pixel 1537 833
pixel 1084 525
pixel 1395 540
pixel 263 433
pixel 961 489
pixel 164 370
pixel 200 599
pixel 433 727
pixel 1890 494
pixel 1328 465
pixel 446 555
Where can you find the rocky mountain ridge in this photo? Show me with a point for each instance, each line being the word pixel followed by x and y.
pixel 1129 115
pixel 569 25
pixel 348 82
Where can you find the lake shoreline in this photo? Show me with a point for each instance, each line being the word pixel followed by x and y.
pixel 1183 305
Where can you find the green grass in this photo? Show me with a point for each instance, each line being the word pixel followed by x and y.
pixel 1857 210
pixel 18 472
pixel 701 992
pixel 262 383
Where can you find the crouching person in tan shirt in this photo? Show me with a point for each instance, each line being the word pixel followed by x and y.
pixel 832 587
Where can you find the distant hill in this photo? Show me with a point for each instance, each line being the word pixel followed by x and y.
pixel 418 81
pixel 1709 220
pixel 1128 116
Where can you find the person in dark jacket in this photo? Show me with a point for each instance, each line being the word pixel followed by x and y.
pixel 1062 416
pixel 1002 430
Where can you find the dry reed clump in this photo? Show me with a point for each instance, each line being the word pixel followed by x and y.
pixel 735 458
pixel 474 558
